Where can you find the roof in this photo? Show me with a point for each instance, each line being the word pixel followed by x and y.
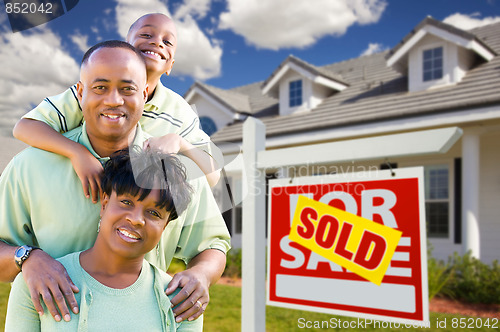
pixel 442 26
pixel 233 100
pixel 377 92
pixel 313 70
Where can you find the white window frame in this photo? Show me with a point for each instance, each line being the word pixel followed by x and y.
pixel 416 78
pixel 441 200
pixel 451 196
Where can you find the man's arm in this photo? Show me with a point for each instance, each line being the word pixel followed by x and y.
pixel 9 268
pixel 40 135
pixel 202 272
pixel 202 244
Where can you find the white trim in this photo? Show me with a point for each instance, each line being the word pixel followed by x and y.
pixel 275 79
pixel 405 48
pixel 449 62
pixel 450 240
pixel 306 74
pixel 190 95
pixel 448 36
pixel 465 43
pixel 418 143
pixel 481 50
pixel 212 101
pixel 329 83
pixel 377 128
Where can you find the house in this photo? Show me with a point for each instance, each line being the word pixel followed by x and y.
pixel 437 77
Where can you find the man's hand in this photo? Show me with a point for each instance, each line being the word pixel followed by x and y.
pixel 47 277
pixel 202 271
pixel 194 293
pixel 89 170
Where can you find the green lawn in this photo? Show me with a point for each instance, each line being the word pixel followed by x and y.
pixel 223 314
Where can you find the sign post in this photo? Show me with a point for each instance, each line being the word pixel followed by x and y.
pixel 344 264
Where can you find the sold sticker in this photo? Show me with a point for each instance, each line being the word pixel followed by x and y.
pixel 358 244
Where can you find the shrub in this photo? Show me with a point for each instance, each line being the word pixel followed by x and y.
pixel 176 265
pixel 438 274
pixel 233 264
pixel 474 281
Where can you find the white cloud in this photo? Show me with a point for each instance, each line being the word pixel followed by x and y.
pixel 198 8
pixel 275 24
pixel 34 66
pixel 196 56
pixel 82 41
pixel 373 48
pixel 127 11
pixel 467 22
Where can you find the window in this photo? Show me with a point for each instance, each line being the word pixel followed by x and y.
pixel 437 200
pixel 295 93
pixel 238 218
pixel 433 64
pixel 208 125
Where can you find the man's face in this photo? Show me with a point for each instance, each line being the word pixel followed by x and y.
pixel 112 92
pixel 156 37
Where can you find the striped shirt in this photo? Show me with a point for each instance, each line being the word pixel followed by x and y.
pixel 166 113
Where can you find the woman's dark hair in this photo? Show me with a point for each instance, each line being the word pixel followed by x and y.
pixel 139 171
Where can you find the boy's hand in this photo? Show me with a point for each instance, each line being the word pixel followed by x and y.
pixel 47 278
pixel 89 170
pixel 169 143
pixel 193 298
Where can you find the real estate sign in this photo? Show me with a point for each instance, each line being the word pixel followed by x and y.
pixel 350 244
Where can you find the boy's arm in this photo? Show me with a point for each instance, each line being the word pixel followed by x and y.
pixel 173 143
pixel 40 135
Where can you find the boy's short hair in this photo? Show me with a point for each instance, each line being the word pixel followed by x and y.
pixel 139 171
pixel 112 44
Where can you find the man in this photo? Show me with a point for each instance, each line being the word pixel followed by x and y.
pixel 41 203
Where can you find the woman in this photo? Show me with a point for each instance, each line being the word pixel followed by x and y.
pixel 119 290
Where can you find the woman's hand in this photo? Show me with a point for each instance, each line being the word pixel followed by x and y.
pixel 89 170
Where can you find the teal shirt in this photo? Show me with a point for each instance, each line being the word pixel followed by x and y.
pixel 143 306
pixel 42 204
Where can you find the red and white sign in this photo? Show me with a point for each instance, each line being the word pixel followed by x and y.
pixel 301 279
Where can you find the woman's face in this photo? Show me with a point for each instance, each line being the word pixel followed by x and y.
pixel 130 227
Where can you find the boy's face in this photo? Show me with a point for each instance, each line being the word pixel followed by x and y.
pixel 132 228
pixel 156 37
pixel 112 91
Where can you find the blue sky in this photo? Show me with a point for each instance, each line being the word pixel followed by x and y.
pixel 225 43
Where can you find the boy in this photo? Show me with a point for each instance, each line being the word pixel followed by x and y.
pixel 167 116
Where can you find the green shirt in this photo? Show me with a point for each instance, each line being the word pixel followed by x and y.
pixel 42 204
pixel 143 306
